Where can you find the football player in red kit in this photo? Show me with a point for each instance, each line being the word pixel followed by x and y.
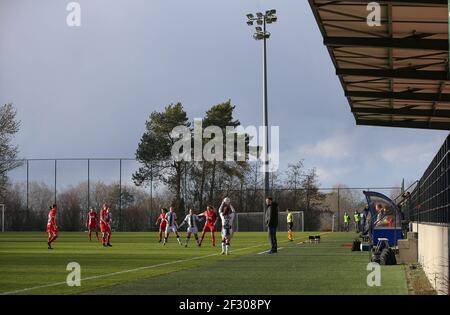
pixel 52 230
pixel 210 224
pixel 162 223
pixel 104 227
pixel 92 223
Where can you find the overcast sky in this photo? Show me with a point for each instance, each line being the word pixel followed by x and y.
pixel 87 91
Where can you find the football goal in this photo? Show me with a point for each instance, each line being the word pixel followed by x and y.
pixel 255 222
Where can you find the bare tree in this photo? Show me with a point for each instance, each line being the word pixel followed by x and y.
pixel 9 126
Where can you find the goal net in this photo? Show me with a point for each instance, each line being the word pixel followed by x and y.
pixel 255 221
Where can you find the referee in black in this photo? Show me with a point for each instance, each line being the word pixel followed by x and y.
pixel 272 223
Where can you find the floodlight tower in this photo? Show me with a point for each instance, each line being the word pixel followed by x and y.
pixel 262 34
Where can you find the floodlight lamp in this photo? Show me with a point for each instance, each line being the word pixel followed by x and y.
pixel 258 36
pixel 259 15
pixel 258 29
pixel 250 16
pixel 274 19
pixel 273 11
pixel 269 20
pixel 260 21
pixel 249 23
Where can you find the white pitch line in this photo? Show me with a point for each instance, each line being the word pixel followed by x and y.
pixel 320 234
pixel 301 242
pixel 123 271
pixel 266 251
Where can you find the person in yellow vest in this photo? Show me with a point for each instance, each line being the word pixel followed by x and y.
pixel 346 222
pixel 290 223
pixel 356 218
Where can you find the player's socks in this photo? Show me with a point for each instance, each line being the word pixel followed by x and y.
pixel 202 237
pixel 96 234
pixel 227 248
pixel 179 240
pixel 223 248
pixel 165 240
pixel 187 241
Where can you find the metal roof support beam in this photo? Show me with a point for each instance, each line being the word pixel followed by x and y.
pixel 411 2
pixel 406 43
pixel 432 97
pixel 405 124
pixel 402 111
pixel 398 74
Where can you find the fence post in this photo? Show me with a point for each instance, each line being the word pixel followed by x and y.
pixel 339 209
pixel 120 195
pixel 303 221
pixel 88 184
pixel 3 217
pixel 418 205
pixel 151 190
pixel 55 179
pixel 28 184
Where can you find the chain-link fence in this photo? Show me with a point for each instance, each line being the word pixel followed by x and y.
pixel 77 184
pixel 429 201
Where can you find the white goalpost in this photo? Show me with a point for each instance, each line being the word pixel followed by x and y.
pixel 255 221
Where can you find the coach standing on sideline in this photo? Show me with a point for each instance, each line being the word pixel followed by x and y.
pixel 272 223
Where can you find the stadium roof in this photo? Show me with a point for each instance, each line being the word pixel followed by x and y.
pixel 395 74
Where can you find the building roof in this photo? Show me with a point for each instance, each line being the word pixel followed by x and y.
pixel 395 74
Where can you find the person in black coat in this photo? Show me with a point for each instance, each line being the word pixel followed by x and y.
pixel 272 223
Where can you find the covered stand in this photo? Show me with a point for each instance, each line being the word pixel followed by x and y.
pixel 384 218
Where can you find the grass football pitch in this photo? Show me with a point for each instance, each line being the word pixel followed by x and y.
pixel 138 264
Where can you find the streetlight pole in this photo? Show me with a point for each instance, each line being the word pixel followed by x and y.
pixel 262 34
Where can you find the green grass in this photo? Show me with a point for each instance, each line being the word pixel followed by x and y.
pixel 325 268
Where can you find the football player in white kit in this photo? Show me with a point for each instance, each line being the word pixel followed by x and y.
pixel 191 220
pixel 227 213
pixel 172 226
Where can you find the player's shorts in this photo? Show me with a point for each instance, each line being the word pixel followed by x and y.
pixel 92 226
pixel 104 228
pixel 51 229
pixel 290 224
pixel 227 233
pixel 171 228
pixel 162 226
pixel 193 230
pixel 209 227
